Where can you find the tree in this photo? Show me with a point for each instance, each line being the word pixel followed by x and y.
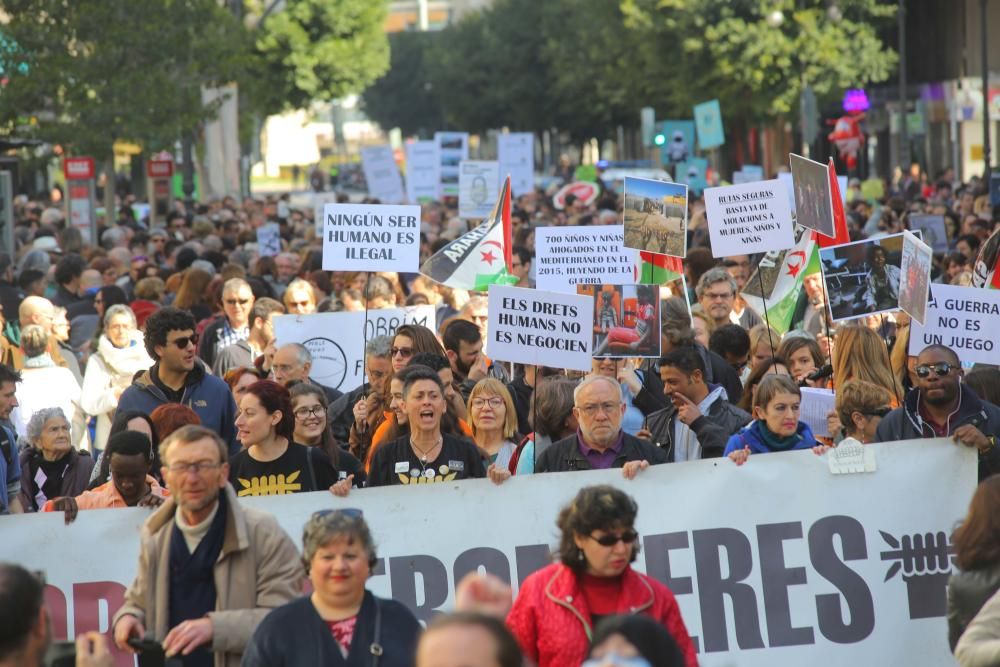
pixel 316 50
pixel 404 96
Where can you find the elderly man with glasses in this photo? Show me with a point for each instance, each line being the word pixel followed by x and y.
pixel 942 406
pixel 231 327
pixel 599 443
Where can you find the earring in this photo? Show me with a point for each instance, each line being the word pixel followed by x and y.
pixel 579 555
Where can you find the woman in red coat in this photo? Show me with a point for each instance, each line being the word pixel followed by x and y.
pixel 557 607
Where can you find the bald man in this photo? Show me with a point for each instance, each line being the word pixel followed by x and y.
pixel 39 310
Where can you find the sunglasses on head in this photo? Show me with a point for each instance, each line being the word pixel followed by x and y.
pixel 628 537
pixel 349 512
pixel 941 369
pixel 878 412
pixel 184 341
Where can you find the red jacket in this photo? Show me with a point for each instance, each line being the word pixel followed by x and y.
pixel 552 623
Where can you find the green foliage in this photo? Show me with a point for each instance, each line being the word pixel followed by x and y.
pixel 97 71
pixel 404 96
pixel 317 50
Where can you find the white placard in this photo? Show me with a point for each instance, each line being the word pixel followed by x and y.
pixel 528 326
pixel 516 154
pixel 749 218
pixel 382 174
pixel 337 340
pixel 319 202
pixel 812 578
pixel 569 256
pixel 813 408
pixel 422 166
pixel 269 240
pixel 453 148
pixel 371 237
pixel 963 318
pixel 478 188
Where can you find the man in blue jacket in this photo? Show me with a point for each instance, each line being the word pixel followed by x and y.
pixel 179 377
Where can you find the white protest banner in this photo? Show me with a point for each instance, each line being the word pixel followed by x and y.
pixel 516 154
pixel 453 147
pixel 478 188
pixel 963 318
pixel 422 165
pixel 528 326
pixel 748 218
pixel 319 202
pixel 269 240
pixel 337 340
pixel 371 237
pixel 569 256
pixel 837 570
pixel 382 174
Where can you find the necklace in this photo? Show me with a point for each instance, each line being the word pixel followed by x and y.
pixel 424 454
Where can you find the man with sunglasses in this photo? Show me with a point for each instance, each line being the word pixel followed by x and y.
pixel 179 377
pixel 231 327
pixel 941 405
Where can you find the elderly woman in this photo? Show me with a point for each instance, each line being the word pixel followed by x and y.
pixel 494 421
pixel 120 355
pixel 50 467
pixel 340 622
pixel 558 606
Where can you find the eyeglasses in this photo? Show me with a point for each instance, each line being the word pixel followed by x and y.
pixel 405 352
pixel 233 302
pixel 349 512
pixel 494 402
pixel 942 369
pixel 197 467
pixel 628 537
pixel 184 341
pixel 878 412
pixel 592 409
pixel 314 411
pixel 298 304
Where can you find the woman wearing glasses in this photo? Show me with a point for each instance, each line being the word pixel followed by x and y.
pixel 312 429
pixel 558 606
pixel 340 622
pixel 860 407
pixel 494 422
pixel 271 463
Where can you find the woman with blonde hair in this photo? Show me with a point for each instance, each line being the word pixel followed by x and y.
pixel 903 364
pixel 861 355
pixel 494 421
pixel 764 344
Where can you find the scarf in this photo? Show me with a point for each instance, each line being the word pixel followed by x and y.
pixel 124 362
pixel 43 360
pixel 772 440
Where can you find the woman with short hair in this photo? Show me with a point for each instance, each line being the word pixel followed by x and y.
pixel 340 622
pixel 493 419
pixel 557 607
pixel 776 426
pixel 51 467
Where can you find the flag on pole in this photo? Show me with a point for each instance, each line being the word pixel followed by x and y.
pixel 777 280
pixel 841 235
pixel 479 258
pixel 654 269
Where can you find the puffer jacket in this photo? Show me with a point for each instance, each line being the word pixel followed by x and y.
pixel 552 624
pixel 968 591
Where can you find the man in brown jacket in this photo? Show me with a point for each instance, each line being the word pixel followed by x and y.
pixel 209 570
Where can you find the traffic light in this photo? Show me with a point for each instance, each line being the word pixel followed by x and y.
pixel 660 139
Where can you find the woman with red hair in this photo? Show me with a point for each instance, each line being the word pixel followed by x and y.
pixel 271 463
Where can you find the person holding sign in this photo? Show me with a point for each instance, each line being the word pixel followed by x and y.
pixel 426 455
pixel 777 427
pixel 941 406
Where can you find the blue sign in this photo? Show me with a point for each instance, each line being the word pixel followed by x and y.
pixel 678 141
pixel 708 120
pixel 693 173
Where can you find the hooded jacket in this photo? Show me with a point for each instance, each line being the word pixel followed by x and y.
pixel 752 437
pixel 206 394
pixel 905 423
pixel 713 429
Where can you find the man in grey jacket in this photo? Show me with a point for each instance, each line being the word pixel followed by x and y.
pixel 209 570
pixel 699 420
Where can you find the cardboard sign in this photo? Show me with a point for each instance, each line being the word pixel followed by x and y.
pixel 382 174
pixel 269 240
pixel 915 277
pixel 626 319
pixel 422 166
pixel 516 154
pixel 749 218
pixel 337 340
pixel 963 318
pixel 453 148
pixel 655 216
pixel 862 278
pixel 813 195
pixel 528 326
pixel 569 256
pixel 371 237
pixel 932 231
pixel 478 188
pixel 708 121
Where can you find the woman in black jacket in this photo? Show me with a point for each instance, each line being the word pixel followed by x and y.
pixel 340 623
pixel 977 553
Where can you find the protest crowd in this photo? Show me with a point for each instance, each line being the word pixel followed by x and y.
pixel 147 370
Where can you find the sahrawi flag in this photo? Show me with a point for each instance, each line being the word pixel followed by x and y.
pixel 773 288
pixel 480 257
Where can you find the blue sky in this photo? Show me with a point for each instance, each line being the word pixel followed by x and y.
pixel 653 189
